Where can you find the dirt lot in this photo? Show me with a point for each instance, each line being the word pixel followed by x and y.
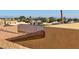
pixel 58 36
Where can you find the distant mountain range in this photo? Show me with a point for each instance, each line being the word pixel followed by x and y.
pixel 6 17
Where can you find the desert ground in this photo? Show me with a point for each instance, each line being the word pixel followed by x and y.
pixel 56 36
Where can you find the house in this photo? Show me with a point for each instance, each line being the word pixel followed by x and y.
pixel 1 22
pixel 36 22
pixel 7 22
pixel 55 23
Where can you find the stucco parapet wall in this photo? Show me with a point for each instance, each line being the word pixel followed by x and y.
pixel 11 45
pixel 29 28
pixel 26 35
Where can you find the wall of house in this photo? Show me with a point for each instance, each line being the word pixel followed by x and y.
pixel 1 22
pixel 29 28
pixel 11 22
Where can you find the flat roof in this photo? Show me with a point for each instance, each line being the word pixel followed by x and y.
pixel 5 35
pixel 67 26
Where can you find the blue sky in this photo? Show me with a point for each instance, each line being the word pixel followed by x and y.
pixel 46 13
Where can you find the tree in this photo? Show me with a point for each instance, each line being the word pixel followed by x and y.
pixel 69 19
pixel 52 19
pixel 59 19
pixel 16 18
pixel 22 18
pixel 76 20
pixel 61 12
pixel 43 19
pixel 29 17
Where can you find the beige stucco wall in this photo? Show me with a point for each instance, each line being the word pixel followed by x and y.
pixel 11 22
pixel 1 22
pixel 29 28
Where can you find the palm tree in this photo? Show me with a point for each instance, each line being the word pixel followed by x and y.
pixel 62 20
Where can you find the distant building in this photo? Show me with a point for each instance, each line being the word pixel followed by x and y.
pixel 7 21
pixel 55 23
pixel 36 22
pixel 1 22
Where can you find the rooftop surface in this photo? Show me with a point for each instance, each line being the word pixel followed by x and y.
pixel 5 35
pixel 9 33
pixel 4 43
pixel 55 37
pixel 67 26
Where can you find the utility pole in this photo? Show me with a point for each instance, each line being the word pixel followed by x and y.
pixel 62 20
